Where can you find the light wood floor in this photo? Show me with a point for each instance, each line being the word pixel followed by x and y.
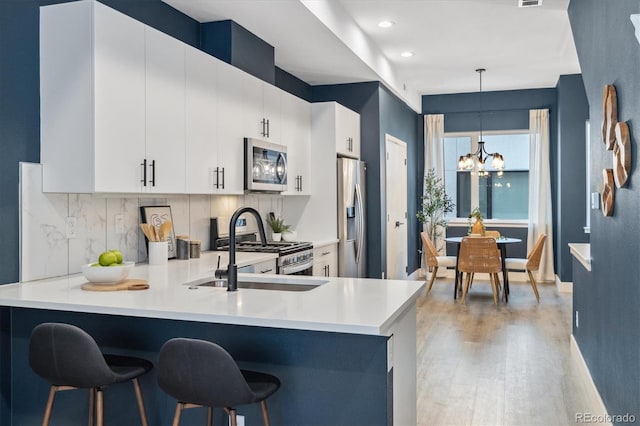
pixel 507 365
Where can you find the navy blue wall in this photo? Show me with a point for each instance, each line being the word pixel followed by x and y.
pixel 609 332
pixel 573 111
pixel 399 120
pixel 380 113
pixel 292 84
pixel 235 45
pixel 502 110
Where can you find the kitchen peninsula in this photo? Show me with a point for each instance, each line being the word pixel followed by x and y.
pixel 344 351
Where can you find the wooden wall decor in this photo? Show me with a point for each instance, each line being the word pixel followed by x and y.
pixel 607 192
pixel 621 154
pixel 610 115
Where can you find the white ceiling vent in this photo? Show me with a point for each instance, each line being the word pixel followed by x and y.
pixel 529 3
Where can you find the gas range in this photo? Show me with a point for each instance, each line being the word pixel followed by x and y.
pixel 294 257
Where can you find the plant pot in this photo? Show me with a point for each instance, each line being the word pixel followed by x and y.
pixel 289 236
pixel 276 236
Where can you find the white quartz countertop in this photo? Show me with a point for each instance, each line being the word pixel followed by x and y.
pixel 344 305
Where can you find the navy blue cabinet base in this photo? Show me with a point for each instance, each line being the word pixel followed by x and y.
pixel 327 378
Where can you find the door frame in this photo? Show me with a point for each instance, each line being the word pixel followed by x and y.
pixel 389 139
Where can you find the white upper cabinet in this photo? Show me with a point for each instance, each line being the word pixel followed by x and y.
pixel 232 119
pixel 165 112
pixel 201 120
pixel 92 107
pixel 347 132
pixel 128 109
pixel 296 135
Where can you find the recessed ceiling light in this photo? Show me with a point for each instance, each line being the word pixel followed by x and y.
pixel 386 24
pixel 406 54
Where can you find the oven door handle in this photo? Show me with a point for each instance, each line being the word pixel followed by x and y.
pixel 288 270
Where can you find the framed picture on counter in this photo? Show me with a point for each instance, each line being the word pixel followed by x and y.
pixel 156 215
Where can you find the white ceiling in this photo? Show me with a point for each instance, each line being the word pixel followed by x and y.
pixel 339 41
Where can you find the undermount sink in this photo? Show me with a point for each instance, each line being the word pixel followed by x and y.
pixel 282 284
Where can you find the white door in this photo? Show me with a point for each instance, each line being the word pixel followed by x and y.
pixel 396 185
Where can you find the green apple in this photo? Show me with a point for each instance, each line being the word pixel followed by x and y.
pixel 107 258
pixel 118 254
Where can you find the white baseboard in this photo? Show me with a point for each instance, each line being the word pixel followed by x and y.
pixel 564 286
pixel 595 401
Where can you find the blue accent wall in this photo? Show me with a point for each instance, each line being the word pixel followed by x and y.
pixel 382 113
pixel 235 45
pixel 573 111
pixel 608 300
pixel 503 110
pixel 292 84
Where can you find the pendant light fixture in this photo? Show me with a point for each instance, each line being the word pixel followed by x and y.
pixel 475 161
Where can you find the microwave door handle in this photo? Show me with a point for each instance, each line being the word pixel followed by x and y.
pixel 281 176
pixel 360 222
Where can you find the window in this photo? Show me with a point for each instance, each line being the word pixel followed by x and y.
pixel 499 195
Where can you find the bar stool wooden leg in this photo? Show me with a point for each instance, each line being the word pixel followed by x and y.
pixel 99 407
pixel 233 417
pixel 209 416
pixel 176 417
pixel 494 288
pixel 143 414
pixel 47 411
pixel 92 405
pixel 265 413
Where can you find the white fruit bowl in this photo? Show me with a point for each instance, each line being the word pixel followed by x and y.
pixel 106 275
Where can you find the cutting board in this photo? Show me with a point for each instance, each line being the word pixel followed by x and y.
pixel 129 284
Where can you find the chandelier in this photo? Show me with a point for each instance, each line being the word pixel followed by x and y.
pixel 475 161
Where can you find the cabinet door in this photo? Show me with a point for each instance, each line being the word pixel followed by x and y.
pixel 250 95
pixel 119 90
pixel 347 132
pixel 232 118
pixel 201 121
pixel 272 99
pixel 296 121
pixel 165 106
pixel 325 261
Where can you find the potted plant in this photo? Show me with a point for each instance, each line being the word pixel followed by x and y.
pixel 478 226
pixel 435 203
pixel 277 227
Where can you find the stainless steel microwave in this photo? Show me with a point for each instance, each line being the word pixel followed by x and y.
pixel 265 166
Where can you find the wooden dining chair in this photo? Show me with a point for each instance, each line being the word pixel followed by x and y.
pixel 432 260
pixel 530 264
pixel 480 255
pixel 492 233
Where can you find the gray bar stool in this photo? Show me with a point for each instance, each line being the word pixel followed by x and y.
pixel 202 374
pixel 68 358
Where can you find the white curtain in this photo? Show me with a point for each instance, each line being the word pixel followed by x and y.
pixel 434 144
pixel 540 215
pixel 434 155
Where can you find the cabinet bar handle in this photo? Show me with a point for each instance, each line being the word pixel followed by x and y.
pixel 144 172
pixel 268 128
pixel 300 183
pixel 153 172
pixel 217 184
pixel 264 271
pixel 325 253
pixel 223 178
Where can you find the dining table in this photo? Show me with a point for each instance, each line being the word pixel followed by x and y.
pixel 502 243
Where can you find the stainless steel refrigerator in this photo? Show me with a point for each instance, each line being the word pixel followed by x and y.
pixel 352 248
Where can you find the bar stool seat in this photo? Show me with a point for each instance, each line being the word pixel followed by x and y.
pixel 202 374
pixel 69 358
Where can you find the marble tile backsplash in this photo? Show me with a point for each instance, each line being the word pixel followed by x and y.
pixel 104 222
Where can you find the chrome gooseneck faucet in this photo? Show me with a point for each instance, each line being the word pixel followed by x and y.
pixel 232 270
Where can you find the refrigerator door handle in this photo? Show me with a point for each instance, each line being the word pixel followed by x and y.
pixel 360 223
